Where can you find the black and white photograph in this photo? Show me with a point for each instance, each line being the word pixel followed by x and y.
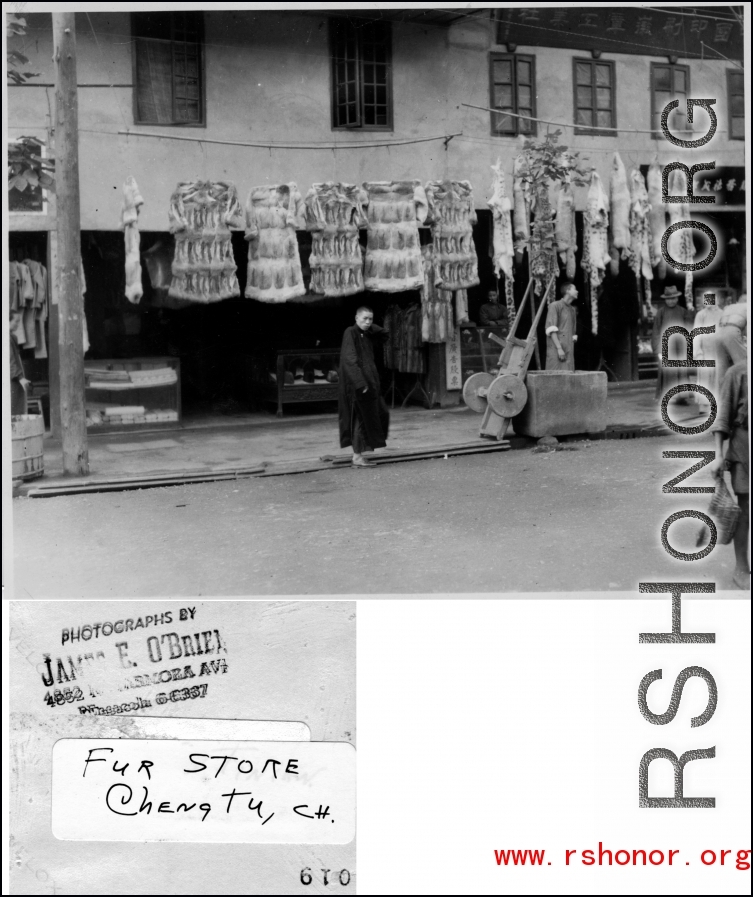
pixel 369 300
pixel 433 314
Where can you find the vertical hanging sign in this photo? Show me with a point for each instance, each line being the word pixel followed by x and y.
pixel 453 361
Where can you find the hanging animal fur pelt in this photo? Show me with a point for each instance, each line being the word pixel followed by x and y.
pixel 680 245
pixel 640 233
pixel 619 201
pixel 564 228
pixel 595 244
pixel 393 261
pixel 452 214
pixel 334 213
pixel 521 208
pixel 129 221
pixel 502 239
pixel 201 215
pixel 657 217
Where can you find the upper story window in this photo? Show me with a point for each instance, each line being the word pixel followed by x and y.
pixel 512 88
pixel 670 81
pixel 361 74
pixel 168 68
pixel 594 92
pixel 736 104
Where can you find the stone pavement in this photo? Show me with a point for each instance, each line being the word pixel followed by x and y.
pixel 207 444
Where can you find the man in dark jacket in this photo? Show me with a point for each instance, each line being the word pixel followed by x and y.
pixel 363 416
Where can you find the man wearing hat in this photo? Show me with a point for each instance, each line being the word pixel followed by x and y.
pixel 670 314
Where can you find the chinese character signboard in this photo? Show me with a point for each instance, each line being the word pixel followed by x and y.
pixel 641 31
pixel 453 361
pixel 725 182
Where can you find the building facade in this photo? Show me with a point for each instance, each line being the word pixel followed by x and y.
pixel 258 98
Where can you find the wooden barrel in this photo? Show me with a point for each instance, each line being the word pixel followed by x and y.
pixel 28 446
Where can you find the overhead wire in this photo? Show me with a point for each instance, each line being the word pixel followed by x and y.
pixel 563 124
pixel 298 146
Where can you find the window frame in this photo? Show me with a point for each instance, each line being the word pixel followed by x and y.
pixel 44 190
pixel 734 73
pixel 202 123
pixel 595 131
pixel 334 23
pixel 658 134
pixel 512 57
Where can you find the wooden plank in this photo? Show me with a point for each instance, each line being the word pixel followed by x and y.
pixel 141 482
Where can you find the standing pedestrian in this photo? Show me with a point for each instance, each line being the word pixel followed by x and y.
pixel 707 316
pixel 732 423
pixel 363 416
pixel 731 333
pixel 560 331
pixel 670 315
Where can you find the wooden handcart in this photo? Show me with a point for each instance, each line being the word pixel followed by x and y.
pixel 499 398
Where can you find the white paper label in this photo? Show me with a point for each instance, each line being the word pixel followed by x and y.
pixel 207 791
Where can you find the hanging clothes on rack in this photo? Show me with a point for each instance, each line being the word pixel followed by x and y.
pixel 403 350
pixel 25 334
pixel 452 215
pixel 393 252
pixel 16 303
pixel 273 214
pixel 334 212
pixel 201 215
pixel 39 281
pixel 503 251
pixel 436 304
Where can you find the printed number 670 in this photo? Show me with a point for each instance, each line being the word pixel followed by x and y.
pixel 343 876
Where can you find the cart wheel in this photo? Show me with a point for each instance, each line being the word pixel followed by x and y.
pixel 471 389
pixel 507 395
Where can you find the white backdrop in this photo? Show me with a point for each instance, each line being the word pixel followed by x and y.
pixel 514 724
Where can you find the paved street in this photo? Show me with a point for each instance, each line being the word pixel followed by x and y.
pixel 585 519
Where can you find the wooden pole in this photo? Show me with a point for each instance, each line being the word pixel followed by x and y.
pixel 70 297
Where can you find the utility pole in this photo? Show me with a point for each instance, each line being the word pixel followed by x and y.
pixel 70 308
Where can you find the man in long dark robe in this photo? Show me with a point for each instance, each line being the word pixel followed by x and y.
pixel 363 416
